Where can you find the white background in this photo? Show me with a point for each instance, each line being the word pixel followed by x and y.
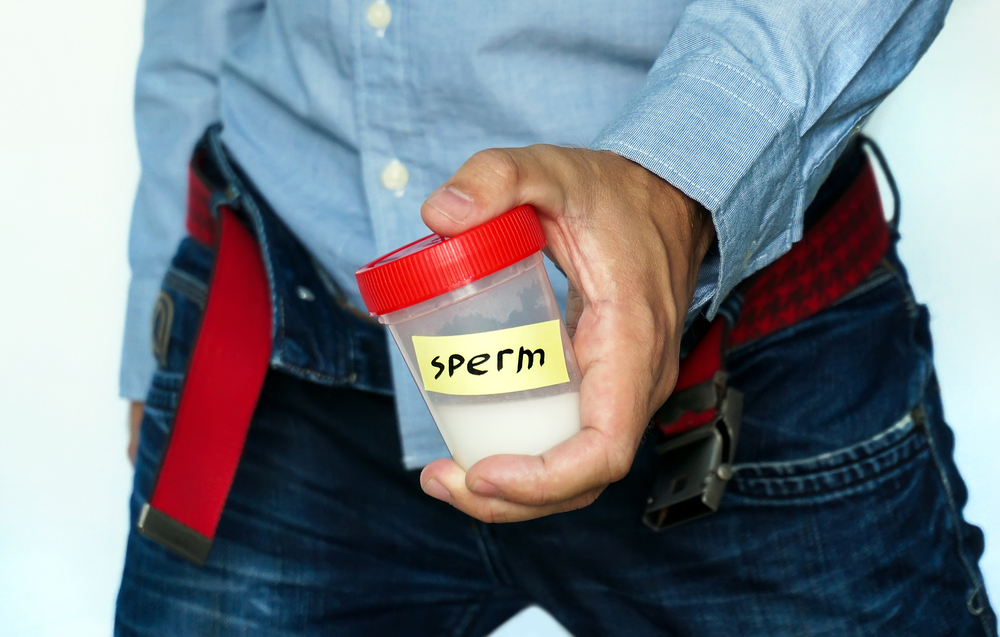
pixel 68 169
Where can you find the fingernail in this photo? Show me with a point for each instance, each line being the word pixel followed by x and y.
pixel 436 490
pixel 452 203
pixel 486 490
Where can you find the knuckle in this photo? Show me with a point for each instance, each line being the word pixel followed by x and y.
pixel 491 171
pixel 618 471
pixel 581 501
pixel 619 461
pixel 617 458
pixel 504 167
pixel 588 498
pixel 495 513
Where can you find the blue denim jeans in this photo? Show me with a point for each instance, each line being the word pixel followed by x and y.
pixel 844 515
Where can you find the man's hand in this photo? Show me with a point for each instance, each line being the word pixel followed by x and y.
pixel 134 422
pixel 630 244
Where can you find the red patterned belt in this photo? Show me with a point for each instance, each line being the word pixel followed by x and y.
pixel 230 360
pixel 700 421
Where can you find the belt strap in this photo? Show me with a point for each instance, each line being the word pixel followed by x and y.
pixel 833 257
pixel 223 381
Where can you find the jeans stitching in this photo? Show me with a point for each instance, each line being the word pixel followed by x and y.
pixel 852 470
pixel 973 598
pixel 901 427
pixel 186 285
pixel 956 520
pixel 255 216
pixel 465 620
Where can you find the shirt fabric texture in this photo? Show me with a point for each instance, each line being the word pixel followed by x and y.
pixel 743 105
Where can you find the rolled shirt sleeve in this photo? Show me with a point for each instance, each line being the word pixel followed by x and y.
pixel 747 108
pixel 176 98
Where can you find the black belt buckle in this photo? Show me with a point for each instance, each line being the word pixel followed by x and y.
pixel 694 466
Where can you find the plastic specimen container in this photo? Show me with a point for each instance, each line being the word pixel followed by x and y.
pixel 482 334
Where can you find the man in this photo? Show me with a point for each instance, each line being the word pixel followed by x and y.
pixel 710 130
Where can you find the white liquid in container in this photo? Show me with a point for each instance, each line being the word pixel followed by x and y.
pixel 481 332
pixel 531 426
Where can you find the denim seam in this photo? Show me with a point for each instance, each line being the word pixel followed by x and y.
pixel 255 217
pixel 325 379
pixel 164 391
pixel 254 213
pixel 484 553
pixel 167 411
pixel 819 494
pixel 869 485
pixel 850 470
pixel 908 297
pixel 956 520
pixel 466 618
pixel 496 558
pixel 901 426
pixel 186 285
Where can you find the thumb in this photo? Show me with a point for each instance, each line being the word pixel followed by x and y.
pixel 489 184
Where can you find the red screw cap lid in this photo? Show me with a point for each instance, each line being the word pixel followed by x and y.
pixel 434 265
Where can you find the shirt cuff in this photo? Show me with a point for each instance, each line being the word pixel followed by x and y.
pixel 138 362
pixel 725 139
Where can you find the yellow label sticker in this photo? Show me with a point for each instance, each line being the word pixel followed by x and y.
pixel 497 362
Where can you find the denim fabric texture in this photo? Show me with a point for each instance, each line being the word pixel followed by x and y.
pixel 742 104
pixel 844 515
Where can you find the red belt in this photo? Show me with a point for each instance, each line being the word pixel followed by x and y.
pixel 223 381
pixel 230 358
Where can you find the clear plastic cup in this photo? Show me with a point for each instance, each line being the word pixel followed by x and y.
pixel 480 329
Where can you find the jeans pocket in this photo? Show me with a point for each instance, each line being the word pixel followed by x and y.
pixel 858 468
pixel 163 397
pixel 179 306
pixel 157 421
pixel 176 320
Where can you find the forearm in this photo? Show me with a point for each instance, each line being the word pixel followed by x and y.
pixel 749 105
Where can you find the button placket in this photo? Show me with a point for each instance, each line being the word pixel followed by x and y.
pixel 390 171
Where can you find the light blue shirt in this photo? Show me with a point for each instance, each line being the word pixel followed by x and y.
pixel 347 114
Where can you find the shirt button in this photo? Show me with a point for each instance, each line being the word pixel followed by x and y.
pixel 395 176
pixel 379 15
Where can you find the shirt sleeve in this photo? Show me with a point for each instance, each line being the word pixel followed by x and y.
pixel 176 98
pixel 750 104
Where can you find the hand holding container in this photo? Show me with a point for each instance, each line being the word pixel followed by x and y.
pixel 482 334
